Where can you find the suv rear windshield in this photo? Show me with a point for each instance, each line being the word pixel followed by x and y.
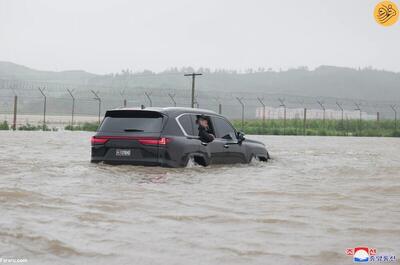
pixel 132 121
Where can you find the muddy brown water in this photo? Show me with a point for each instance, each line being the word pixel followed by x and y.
pixel 315 198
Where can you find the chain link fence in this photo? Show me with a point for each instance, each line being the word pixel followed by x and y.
pixel 59 104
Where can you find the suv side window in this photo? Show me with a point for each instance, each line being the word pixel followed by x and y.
pixel 186 122
pixel 224 129
pixel 196 125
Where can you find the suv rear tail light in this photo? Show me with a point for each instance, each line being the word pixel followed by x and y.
pixel 96 140
pixel 142 140
pixel 155 141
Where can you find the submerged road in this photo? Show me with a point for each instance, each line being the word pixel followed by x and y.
pixel 315 198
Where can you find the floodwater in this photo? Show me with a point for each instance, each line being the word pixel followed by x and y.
pixel 315 198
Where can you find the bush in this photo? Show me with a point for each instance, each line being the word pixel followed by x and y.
pixel 30 127
pixel 87 126
pixel 4 126
pixel 322 132
pixel 396 134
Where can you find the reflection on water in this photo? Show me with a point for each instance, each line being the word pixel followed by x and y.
pixel 315 198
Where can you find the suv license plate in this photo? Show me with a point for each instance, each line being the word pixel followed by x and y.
pixel 123 152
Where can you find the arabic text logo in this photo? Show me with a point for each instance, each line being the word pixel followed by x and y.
pixel 386 13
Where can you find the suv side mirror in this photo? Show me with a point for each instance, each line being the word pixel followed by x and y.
pixel 240 136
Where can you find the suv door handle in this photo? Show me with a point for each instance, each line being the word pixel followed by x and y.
pixel 203 143
pixel 226 145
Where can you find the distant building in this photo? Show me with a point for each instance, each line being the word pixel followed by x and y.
pixel 312 114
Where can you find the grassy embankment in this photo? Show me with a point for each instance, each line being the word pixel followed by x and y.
pixel 384 128
pixel 26 127
pixel 87 126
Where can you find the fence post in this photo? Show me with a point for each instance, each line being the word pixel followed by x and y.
pixel 341 109
pixel 148 97
pixel 284 114
pixel 122 93
pixel 219 105
pixel 323 109
pixel 14 126
pixel 172 96
pixel 304 121
pixel 263 114
pixel 395 116
pixel 241 103
pixel 73 108
pixel 360 124
pixel 44 107
pixel 96 97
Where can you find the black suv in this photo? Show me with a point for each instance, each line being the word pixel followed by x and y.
pixel 169 137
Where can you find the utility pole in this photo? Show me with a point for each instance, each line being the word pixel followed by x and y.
pixel 172 97
pixel 148 97
pixel 241 103
pixel 193 75
pixel 393 107
pixel 44 107
pixel 263 113
pixel 96 97
pixel 282 101
pixel 359 109
pixel 73 108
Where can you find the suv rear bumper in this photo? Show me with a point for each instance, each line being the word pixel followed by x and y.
pixel 144 162
pixel 163 159
pixel 137 163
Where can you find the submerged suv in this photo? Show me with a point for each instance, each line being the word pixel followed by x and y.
pixel 169 137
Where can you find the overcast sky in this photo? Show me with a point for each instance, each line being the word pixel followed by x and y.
pixel 103 36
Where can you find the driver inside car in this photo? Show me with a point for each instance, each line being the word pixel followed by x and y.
pixel 205 133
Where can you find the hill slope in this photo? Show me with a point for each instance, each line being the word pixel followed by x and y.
pixel 325 81
pixel 14 71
